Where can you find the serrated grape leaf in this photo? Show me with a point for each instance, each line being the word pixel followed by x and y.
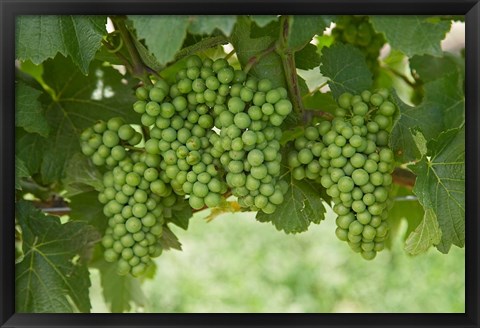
pixel 307 58
pixel 120 292
pixel 320 101
pixel 417 35
pixel 180 214
pixel 79 102
pixel 50 277
pixel 163 35
pixel 427 234
pixel 21 171
pixel 304 27
pixel 29 148
pixel 86 207
pixel 263 20
pixel 44 36
pixel 270 66
pixel 169 240
pixel 28 110
pixel 431 68
pixel 440 185
pixel 302 205
pixel 81 176
pixel 345 65
pixel 206 24
pixel 442 108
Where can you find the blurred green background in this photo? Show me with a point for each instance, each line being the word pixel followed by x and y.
pixel 236 264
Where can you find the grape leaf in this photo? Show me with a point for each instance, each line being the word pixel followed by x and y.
pixel 164 35
pixel 79 102
pixel 49 277
pixel 304 27
pixel 29 112
pixel 263 20
pixel 431 68
pixel 440 185
pixel 428 233
pixel 418 35
pixel 206 24
pixel 345 65
pixel 169 240
pixel 21 171
pixel 302 206
pixel 41 37
pixel 320 101
pixel 119 291
pixel 442 108
pixel 86 207
pixel 81 176
pixel 307 58
pixel 180 214
pixel 246 47
pixel 29 148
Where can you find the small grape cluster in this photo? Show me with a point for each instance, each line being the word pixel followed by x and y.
pixel 134 198
pixel 358 31
pixel 105 141
pixel 350 157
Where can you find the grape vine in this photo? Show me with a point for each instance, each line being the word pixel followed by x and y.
pixel 153 119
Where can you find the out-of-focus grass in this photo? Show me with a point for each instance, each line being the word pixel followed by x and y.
pixel 236 264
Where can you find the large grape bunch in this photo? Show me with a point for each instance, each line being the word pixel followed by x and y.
pixel 217 130
pixel 358 31
pixel 213 132
pixel 350 157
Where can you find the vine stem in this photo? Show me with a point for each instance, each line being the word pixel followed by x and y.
pixel 289 66
pixel 404 177
pixel 252 61
pixel 311 93
pixel 138 68
pixel 401 76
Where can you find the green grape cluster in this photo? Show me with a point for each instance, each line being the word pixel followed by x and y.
pixel 217 129
pixel 350 157
pixel 358 31
pixel 105 141
pixel 135 215
pixel 213 131
pixel 248 143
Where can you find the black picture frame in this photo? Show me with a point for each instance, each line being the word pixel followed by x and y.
pixel 11 8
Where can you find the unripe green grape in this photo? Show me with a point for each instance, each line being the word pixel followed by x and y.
pixel 382 138
pixel 225 75
pixel 387 109
pixel 242 120
pixel 157 94
pixel 341 234
pixel 196 202
pixel 212 200
pixel 115 123
pixel 126 132
pixel 239 76
pixel 376 99
pixel 283 107
pixel 344 100
pixel 355 228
